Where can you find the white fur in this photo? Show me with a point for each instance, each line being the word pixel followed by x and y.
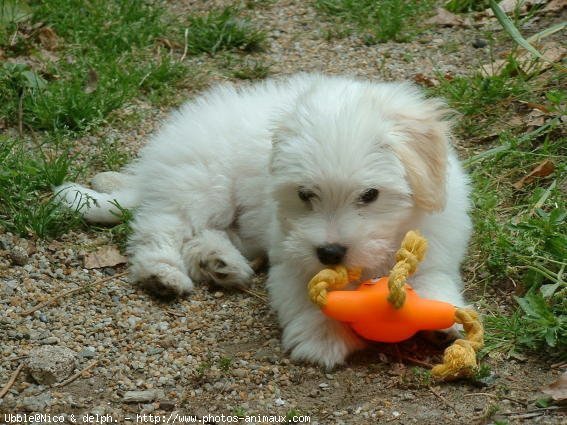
pixel 217 186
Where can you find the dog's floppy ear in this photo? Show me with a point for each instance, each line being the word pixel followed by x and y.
pixel 425 139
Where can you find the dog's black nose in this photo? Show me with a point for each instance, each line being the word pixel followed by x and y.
pixel 331 254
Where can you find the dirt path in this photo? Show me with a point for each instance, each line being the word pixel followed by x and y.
pixel 217 352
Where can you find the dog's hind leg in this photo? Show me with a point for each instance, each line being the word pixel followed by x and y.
pixel 210 255
pixel 155 253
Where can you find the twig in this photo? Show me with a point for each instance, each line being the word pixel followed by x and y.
pixel 542 410
pixel 253 293
pixel 418 362
pixel 498 397
pixel 17 358
pixel 185 47
pixel 444 400
pixel 7 387
pixel 70 291
pixel 559 365
pixel 76 375
pixel 175 313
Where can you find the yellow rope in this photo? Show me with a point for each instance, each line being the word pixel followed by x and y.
pixel 459 359
pixel 412 252
pixel 328 280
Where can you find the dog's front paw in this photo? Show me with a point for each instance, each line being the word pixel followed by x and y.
pixel 226 271
pixel 163 280
pixel 327 345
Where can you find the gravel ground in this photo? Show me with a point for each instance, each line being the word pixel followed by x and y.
pixel 217 352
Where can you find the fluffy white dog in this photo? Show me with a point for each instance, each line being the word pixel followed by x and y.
pixel 312 170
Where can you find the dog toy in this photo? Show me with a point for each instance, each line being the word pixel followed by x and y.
pixel 389 310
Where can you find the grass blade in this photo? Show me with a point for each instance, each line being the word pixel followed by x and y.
pixel 511 29
pixel 536 38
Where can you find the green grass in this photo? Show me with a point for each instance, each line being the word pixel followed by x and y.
pixel 222 30
pixel 460 6
pixel 376 21
pixel 25 177
pixel 106 55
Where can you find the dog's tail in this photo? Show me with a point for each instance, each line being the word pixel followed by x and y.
pixel 97 206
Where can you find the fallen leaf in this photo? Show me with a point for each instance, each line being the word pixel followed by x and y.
pixel 48 38
pixel 544 169
pixel 555 6
pixel 444 18
pixel 424 80
pixel 510 6
pixel 170 44
pixel 558 389
pixel 537 106
pixel 92 81
pixel 105 256
pixel 535 118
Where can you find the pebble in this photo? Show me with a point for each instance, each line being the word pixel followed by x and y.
pixel 19 256
pixel 142 396
pixel 479 43
pixel 37 403
pixel 52 340
pixel 50 364
pixel 88 353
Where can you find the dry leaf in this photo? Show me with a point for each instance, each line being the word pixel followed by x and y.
pixel 509 6
pixel 444 18
pixel 48 38
pixel 558 389
pixel 424 80
pixel 105 256
pixel 92 81
pixel 555 6
pixel 544 169
pixel 535 118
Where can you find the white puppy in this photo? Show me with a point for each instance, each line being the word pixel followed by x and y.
pixel 315 171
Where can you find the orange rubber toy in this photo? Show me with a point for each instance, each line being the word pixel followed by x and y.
pixel 389 310
pixel 370 314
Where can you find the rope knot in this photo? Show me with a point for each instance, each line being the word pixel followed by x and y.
pixel 411 253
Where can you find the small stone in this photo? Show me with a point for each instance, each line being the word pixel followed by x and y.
pixel 8 287
pixel 43 318
pixel 241 373
pixel 323 385
pixel 52 340
pixel 37 403
pixel 142 396
pixel 218 294
pixel 279 402
pixel 479 43
pixel 51 364
pixel 88 353
pixel 154 350
pixel 109 271
pixel 19 256
pixel 167 405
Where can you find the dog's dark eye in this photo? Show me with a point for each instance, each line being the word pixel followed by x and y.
pixel 305 194
pixel 368 196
